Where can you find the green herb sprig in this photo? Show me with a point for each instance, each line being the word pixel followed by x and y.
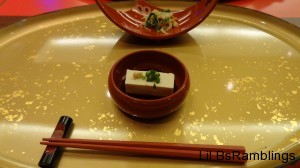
pixel 152 76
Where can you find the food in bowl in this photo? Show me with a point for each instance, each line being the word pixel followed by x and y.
pixel 149 83
pixel 162 21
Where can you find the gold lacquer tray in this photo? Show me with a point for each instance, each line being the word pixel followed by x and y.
pixel 245 87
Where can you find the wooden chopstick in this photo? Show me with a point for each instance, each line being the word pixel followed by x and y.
pixel 171 150
pixel 199 147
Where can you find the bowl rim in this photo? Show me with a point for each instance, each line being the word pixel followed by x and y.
pixel 166 98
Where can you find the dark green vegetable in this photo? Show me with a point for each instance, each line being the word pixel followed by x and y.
pixel 151 20
pixel 152 76
pixel 166 10
pixel 162 20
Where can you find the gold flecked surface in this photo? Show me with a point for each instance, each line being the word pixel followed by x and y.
pixel 245 87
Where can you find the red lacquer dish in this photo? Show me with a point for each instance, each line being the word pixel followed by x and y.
pixel 132 21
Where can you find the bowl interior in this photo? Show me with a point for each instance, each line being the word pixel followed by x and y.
pixel 146 60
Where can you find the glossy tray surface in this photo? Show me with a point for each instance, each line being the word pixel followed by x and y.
pixel 245 86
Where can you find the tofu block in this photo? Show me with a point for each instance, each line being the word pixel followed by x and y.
pixel 141 87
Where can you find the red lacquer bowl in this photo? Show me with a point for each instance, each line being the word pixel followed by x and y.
pixel 131 21
pixel 148 108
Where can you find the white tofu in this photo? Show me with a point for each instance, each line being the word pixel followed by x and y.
pixel 141 87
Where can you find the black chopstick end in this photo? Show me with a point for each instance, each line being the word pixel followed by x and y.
pixel 52 154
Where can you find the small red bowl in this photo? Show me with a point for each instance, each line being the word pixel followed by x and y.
pixel 145 107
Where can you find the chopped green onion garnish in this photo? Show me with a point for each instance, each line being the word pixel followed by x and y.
pixel 152 76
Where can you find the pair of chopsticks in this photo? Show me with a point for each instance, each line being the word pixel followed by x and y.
pixel 172 150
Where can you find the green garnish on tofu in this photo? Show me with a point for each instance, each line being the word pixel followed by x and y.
pixel 152 76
